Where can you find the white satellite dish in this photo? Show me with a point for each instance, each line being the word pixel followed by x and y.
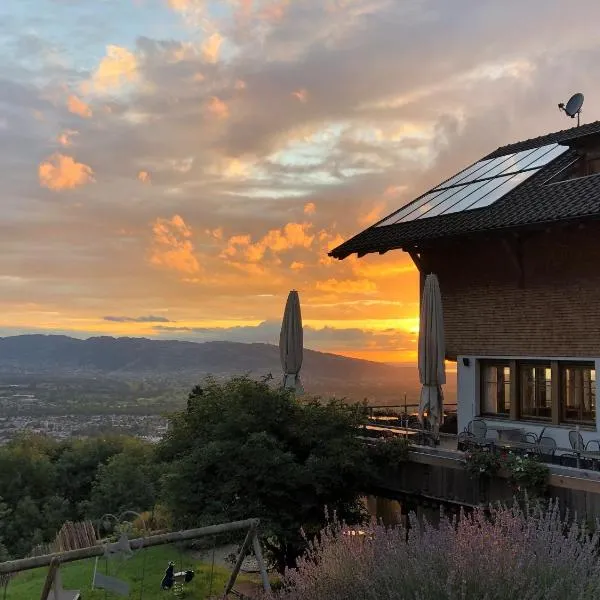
pixel 573 107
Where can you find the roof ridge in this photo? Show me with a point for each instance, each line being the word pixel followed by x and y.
pixel 553 137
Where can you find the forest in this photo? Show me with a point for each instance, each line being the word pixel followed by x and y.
pixel 239 449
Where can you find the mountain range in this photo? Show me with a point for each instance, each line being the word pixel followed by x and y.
pixel 130 357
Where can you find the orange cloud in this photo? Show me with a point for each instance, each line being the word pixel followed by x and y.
pixel 78 107
pixel 347 286
pixel 217 233
pixel 173 247
pixel 60 172
pixel 217 108
pixel 211 48
pixel 274 11
pixel 116 69
pixel 310 208
pixel 64 139
pixel 301 95
pixel 372 216
pixel 143 176
pixel 297 266
pixel 293 235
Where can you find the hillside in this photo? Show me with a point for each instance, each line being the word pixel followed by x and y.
pixel 133 358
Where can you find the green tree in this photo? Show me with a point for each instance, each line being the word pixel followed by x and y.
pixel 243 449
pixel 78 465
pixel 127 481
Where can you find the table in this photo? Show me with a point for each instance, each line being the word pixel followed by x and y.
pixel 394 430
pixel 593 456
pixel 513 434
pixel 514 445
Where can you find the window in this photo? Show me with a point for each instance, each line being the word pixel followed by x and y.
pixel 556 391
pixel 495 389
pixel 578 383
pixel 536 391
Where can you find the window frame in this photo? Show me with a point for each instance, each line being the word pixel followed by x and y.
pixel 533 364
pixel 562 366
pixel 504 364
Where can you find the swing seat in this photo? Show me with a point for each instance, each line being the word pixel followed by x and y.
pixel 183 576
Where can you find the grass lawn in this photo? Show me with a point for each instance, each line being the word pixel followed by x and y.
pixel 78 576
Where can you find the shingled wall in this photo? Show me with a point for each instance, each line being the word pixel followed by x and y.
pixel 550 307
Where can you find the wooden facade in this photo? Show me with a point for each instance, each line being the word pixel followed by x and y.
pixel 531 294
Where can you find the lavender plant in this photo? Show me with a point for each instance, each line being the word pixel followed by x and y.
pixel 506 554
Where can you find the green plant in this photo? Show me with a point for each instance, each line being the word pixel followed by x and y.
pixel 527 474
pixel 390 451
pixel 482 462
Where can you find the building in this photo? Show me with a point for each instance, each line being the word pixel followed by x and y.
pixel 515 242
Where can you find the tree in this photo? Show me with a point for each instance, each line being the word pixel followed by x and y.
pixel 243 449
pixel 125 482
pixel 77 468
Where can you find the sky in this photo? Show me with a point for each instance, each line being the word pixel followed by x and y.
pixel 172 168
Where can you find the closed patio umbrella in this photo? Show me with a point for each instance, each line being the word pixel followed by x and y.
pixel 291 343
pixel 432 350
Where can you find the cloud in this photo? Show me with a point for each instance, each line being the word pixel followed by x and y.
pixel 324 338
pixel 118 68
pixel 211 48
pixel 217 108
pixel 310 208
pixel 144 176
pixel 292 235
pixel 78 107
pixel 349 286
pixel 300 95
pixel 142 319
pixel 172 246
pixel 61 172
pixel 65 138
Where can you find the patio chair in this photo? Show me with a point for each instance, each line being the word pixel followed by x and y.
pixel 576 441
pixel 474 434
pixel 547 448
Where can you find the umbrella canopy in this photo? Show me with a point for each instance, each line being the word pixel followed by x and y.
pixel 291 343
pixel 432 349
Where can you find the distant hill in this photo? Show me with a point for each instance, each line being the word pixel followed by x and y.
pixel 59 355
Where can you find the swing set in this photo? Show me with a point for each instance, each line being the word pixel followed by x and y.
pixel 125 548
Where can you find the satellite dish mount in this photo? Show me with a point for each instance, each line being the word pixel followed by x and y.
pixel 573 106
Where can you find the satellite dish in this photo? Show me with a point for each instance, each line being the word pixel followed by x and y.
pixel 573 107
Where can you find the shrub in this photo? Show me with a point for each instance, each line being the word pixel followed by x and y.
pixel 502 555
pixel 527 474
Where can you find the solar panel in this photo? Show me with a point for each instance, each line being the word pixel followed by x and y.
pixel 477 186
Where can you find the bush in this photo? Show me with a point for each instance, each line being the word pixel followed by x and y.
pixel 503 555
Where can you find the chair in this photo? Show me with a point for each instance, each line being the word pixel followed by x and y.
pixel 576 441
pixel 474 433
pixel 547 447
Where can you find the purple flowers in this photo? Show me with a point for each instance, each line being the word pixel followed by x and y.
pixel 504 555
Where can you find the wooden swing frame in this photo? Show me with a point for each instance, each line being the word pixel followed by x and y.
pixel 58 558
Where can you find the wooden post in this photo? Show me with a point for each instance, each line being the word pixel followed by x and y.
pixel 49 578
pixel 555 393
pixel 261 563
pixel 239 561
pixel 515 399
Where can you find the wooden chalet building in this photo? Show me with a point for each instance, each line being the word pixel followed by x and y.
pixel 515 242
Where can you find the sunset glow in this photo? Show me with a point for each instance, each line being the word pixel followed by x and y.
pixel 172 168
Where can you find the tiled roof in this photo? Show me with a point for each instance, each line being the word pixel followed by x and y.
pixel 530 203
